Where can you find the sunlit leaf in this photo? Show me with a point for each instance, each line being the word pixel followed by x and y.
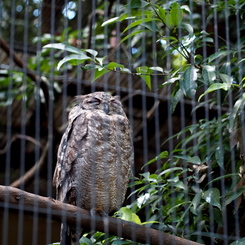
pixel 188 83
pixel 112 20
pixel 165 16
pixel 226 78
pixel 209 74
pixel 144 73
pixel 170 170
pixel 176 14
pixel 74 59
pixel 65 47
pixel 218 55
pixel 130 35
pixel 126 70
pixel 214 87
pixel 143 199
pixel 239 242
pixel 126 214
pixel 219 156
pixel 212 196
pixel 91 51
pixel 100 60
pixel 99 72
pixel 156 68
pixel 189 28
pixel 114 66
pixel 138 22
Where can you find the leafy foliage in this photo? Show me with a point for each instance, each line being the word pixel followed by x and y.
pixel 188 189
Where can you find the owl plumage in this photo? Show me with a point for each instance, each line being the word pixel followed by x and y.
pixel 95 158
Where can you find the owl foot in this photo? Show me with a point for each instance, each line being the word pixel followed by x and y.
pixel 96 211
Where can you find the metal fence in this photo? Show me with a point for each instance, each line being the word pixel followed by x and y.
pixel 163 163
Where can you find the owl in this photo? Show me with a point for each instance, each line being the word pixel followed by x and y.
pixel 95 158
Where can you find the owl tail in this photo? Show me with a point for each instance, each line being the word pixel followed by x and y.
pixel 69 235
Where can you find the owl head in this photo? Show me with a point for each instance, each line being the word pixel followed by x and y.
pixel 100 101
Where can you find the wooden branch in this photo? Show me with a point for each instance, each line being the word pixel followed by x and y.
pixel 30 174
pixel 30 202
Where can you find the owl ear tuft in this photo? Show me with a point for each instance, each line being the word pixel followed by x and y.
pixel 76 101
pixel 117 97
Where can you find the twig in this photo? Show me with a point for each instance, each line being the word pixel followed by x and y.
pixel 19 62
pixel 29 202
pixel 30 174
pixel 19 136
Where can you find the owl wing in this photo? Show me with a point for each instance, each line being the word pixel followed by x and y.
pixel 67 153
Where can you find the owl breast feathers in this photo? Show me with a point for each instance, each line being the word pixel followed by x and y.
pixel 95 155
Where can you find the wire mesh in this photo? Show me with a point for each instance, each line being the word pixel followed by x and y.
pixel 178 67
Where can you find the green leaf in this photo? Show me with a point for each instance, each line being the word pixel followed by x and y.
pixel 212 196
pixel 223 177
pixel 239 242
pixel 214 87
pixel 219 156
pixel 85 241
pixel 138 22
pixel 219 54
pixel 127 214
pixel 163 154
pixel 143 199
pixel 144 72
pixel 112 20
pixel 175 99
pixel 74 59
pixel 156 68
pixel 209 74
pixel 99 72
pixel 131 35
pixel 170 170
pixel 233 195
pixel 100 60
pixel 119 242
pixel 65 47
pixel 138 4
pixel 194 160
pixel 225 78
pixel 189 28
pixel 91 51
pixel 188 83
pixel 196 202
pixel 176 14
pixel 165 16
pixel 133 15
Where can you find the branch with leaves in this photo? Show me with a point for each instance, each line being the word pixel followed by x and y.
pixel 21 200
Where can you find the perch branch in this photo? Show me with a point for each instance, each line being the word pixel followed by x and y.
pixel 30 202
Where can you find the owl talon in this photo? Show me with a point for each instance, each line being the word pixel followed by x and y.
pixel 95 211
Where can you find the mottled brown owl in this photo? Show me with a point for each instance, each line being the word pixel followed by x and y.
pixel 95 158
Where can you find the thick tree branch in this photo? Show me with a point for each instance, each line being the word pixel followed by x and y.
pixel 29 202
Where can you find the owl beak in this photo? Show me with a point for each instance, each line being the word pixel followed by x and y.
pixel 106 108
